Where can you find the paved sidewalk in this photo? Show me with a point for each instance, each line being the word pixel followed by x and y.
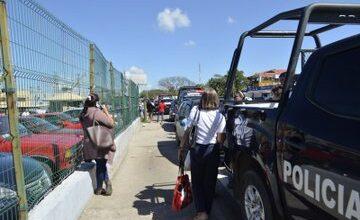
pixel 143 186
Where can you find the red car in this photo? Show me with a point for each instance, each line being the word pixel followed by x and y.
pixel 61 119
pixel 40 126
pixel 56 151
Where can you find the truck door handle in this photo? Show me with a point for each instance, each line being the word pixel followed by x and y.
pixel 295 142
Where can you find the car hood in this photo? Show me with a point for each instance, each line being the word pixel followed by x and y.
pixel 67 140
pixel 68 131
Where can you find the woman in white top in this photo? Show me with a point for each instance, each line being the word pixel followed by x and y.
pixel 205 156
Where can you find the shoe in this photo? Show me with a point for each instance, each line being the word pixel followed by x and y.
pixel 201 216
pixel 108 189
pixel 99 191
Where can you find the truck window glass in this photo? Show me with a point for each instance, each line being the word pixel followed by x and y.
pixel 338 87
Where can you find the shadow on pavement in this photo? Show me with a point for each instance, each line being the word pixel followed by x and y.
pixel 156 200
pixel 169 150
pixel 168 127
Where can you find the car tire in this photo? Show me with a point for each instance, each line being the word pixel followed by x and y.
pixel 253 197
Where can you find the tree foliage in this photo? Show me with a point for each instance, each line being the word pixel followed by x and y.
pixel 175 82
pixel 218 82
pixel 153 93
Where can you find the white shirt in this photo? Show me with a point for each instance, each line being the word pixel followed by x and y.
pixel 211 123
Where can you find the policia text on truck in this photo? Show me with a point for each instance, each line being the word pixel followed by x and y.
pixel 299 157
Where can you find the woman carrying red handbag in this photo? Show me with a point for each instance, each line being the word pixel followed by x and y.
pixel 205 154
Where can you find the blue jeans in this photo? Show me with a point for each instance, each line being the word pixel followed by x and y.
pixel 205 161
pixel 101 172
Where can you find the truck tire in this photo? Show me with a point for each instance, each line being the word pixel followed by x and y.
pixel 253 198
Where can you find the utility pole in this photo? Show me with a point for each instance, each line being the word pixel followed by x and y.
pixel 92 69
pixel 199 73
pixel 11 100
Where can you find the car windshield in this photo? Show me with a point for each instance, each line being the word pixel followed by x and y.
pixel 4 128
pixel 74 113
pixel 38 125
pixel 67 117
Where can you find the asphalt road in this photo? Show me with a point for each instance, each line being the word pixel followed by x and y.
pixel 143 186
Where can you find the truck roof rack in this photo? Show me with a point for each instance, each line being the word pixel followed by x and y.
pixel 329 15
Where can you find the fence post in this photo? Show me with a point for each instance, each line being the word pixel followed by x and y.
pixel 112 87
pixel 11 99
pixel 92 69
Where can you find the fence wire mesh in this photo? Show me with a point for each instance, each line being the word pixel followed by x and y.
pixel 51 68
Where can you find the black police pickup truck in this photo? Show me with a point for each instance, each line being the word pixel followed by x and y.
pixel 299 157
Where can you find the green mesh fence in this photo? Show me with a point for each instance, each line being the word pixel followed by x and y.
pixel 119 94
pixel 51 68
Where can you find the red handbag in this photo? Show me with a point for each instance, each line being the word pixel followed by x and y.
pixel 182 192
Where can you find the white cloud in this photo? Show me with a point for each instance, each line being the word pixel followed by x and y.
pixel 169 20
pixel 231 20
pixel 190 43
pixel 136 74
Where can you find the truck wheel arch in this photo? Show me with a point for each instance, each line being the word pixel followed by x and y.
pixel 243 163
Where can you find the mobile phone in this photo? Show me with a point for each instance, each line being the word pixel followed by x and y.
pixel 99 106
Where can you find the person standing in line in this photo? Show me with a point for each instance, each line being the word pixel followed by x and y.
pixel 93 111
pixel 150 109
pixel 239 97
pixel 205 155
pixel 161 111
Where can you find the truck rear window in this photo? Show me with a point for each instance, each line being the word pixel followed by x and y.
pixel 338 87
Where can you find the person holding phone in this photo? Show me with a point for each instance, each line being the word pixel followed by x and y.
pixel 91 112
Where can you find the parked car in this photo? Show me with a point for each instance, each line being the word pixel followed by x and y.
pixel 37 184
pixel 167 102
pixel 298 158
pixel 58 152
pixel 61 119
pixel 181 122
pixel 39 126
pixel 183 91
pixel 74 112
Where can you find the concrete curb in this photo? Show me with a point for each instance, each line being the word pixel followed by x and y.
pixel 68 200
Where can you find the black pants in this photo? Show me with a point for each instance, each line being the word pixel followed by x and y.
pixel 204 169
pixel 101 172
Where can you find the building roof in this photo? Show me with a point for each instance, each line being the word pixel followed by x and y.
pixel 270 73
pixel 66 96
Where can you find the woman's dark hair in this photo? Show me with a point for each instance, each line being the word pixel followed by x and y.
pixel 90 101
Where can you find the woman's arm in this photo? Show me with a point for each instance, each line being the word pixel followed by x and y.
pixel 220 138
pixel 105 118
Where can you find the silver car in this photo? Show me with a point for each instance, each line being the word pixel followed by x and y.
pixel 183 113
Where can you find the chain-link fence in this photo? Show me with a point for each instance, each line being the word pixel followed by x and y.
pixel 48 66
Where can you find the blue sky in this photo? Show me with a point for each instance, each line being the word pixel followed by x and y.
pixel 207 31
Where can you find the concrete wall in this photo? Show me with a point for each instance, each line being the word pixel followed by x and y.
pixel 67 201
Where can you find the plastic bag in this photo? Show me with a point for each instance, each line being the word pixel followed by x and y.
pixel 182 193
pixel 187 163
